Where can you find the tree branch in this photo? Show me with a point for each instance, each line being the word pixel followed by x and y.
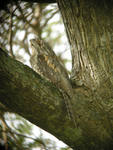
pixel 26 93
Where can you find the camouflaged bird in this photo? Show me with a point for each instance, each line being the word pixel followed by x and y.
pixel 44 61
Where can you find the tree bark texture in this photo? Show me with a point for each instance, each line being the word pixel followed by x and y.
pixel 89 27
pixel 37 100
pixel 89 30
pixel 24 92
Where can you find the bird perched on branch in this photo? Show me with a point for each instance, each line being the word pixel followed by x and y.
pixel 45 63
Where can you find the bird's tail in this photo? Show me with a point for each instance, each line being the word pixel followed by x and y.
pixel 69 107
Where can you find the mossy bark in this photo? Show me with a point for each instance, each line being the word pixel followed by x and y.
pixel 89 30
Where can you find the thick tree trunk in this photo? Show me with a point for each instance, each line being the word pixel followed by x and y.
pixel 89 29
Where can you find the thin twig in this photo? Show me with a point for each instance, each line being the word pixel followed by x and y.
pixel 4 131
pixel 10 27
pixel 10 31
pixel 49 19
pixel 11 133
